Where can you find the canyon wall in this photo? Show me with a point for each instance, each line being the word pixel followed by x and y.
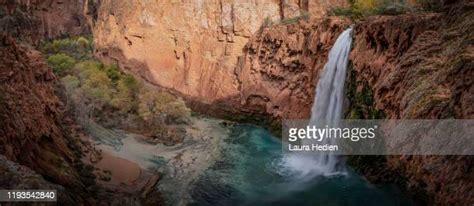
pixel 280 67
pixel 36 130
pixel 35 20
pixel 421 67
pixel 191 47
pixel 33 126
pixel 226 54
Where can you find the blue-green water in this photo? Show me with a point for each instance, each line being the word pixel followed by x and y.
pixel 251 172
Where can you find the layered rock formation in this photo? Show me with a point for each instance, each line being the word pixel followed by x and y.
pixel 13 175
pixel 191 47
pixel 280 67
pixel 33 125
pixel 421 67
pixel 35 20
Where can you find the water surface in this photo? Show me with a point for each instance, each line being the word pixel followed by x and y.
pixel 251 171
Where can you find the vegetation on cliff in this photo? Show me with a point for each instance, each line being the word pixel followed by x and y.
pixel 362 8
pixel 103 93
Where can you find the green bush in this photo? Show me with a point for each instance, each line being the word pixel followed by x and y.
pixel 361 8
pixel 64 45
pixel 61 63
pixel 127 91
pixel 96 85
pixel 79 48
pixel 83 41
pixel 161 104
pixel 98 88
pixel 111 96
pixel 71 83
pixel 113 72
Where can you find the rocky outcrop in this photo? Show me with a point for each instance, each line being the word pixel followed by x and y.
pixel 421 67
pixel 13 175
pixel 191 47
pixel 280 67
pixel 34 20
pixel 33 127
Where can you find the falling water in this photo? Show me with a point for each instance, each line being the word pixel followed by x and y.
pixel 327 107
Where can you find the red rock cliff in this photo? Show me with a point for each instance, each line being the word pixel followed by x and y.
pixel 32 122
pixel 422 67
pixel 35 20
pixel 191 47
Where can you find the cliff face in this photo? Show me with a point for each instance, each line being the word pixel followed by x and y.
pixel 280 67
pixel 421 67
pixel 32 124
pixel 13 175
pixel 34 20
pixel 191 47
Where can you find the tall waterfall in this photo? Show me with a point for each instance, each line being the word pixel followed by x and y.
pixel 327 107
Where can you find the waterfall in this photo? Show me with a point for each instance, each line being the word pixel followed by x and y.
pixel 327 107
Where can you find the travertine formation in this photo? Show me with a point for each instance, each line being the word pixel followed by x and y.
pixel 280 67
pixel 421 67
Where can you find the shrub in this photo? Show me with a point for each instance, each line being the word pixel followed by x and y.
pixel 78 48
pixel 113 72
pixel 61 63
pixel 83 41
pixel 71 83
pixel 62 45
pixel 127 91
pixel 98 88
pixel 156 106
pixel 362 8
pixel 96 85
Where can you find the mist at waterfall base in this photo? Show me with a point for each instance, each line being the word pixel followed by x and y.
pixel 251 171
pixel 327 107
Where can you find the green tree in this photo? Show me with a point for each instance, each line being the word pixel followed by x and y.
pixel 61 63
pixel 126 97
pixel 96 85
pixel 71 83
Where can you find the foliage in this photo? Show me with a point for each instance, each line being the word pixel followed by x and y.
pixel 361 101
pixel 79 48
pixel 61 63
pixel 83 41
pixel 97 86
pixel 126 96
pixel 156 106
pixel 108 93
pixel 113 72
pixel 267 22
pixel 361 8
pixel 71 83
